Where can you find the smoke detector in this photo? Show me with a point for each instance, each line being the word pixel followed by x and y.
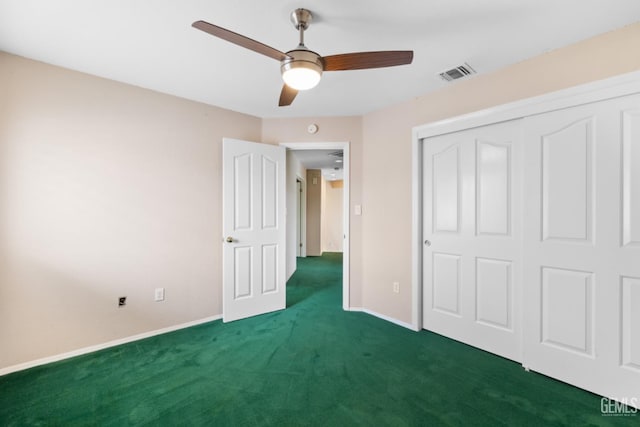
pixel 458 72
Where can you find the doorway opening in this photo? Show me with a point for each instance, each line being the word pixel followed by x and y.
pixel 317 173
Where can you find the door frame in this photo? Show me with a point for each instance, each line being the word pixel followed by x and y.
pixel 344 146
pixel 301 215
pixel 625 84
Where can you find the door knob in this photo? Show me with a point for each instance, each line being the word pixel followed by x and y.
pixel 229 239
pixel 427 243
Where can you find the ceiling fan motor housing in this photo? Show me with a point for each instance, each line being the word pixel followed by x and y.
pixel 301 69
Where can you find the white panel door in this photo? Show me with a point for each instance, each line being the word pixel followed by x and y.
pixel 253 185
pixel 471 229
pixel 582 246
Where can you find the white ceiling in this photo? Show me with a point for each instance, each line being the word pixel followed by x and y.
pixel 150 43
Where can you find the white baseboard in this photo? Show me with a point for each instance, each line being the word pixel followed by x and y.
pixel 389 319
pixel 383 317
pixel 97 347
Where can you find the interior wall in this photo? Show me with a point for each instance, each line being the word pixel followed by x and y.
pixel 332 129
pixel 386 197
pixel 106 190
pixel 332 227
pixel 295 169
pixel 314 212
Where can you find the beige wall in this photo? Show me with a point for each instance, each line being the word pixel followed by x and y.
pixel 106 190
pixel 332 213
pixel 386 220
pixel 109 190
pixel 294 170
pixel 314 212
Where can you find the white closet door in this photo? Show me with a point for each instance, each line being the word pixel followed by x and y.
pixel 471 223
pixel 582 246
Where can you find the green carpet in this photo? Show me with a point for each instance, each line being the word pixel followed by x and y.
pixel 312 364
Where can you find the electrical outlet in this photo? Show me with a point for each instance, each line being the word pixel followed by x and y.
pixel 122 301
pixel 396 287
pixel 159 294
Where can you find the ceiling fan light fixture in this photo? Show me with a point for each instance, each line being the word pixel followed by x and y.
pixel 302 69
pixel 301 78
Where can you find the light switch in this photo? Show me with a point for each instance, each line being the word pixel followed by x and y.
pixel 358 210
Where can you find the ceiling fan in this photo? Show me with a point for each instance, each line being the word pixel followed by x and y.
pixel 302 68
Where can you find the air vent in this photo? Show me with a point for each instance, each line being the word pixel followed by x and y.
pixel 457 72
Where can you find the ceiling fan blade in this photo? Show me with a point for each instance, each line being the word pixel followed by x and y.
pixel 287 96
pixel 239 39
pixel 364 60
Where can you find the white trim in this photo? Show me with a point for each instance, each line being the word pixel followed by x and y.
pixel 346 221
pixel 389 319
pixel 346 205
pixel 98 347
pixel 416 234
pixel 625 84
pixel 303 216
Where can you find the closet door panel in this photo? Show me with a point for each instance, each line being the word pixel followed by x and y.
pixel 472 216
pixel 581 258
